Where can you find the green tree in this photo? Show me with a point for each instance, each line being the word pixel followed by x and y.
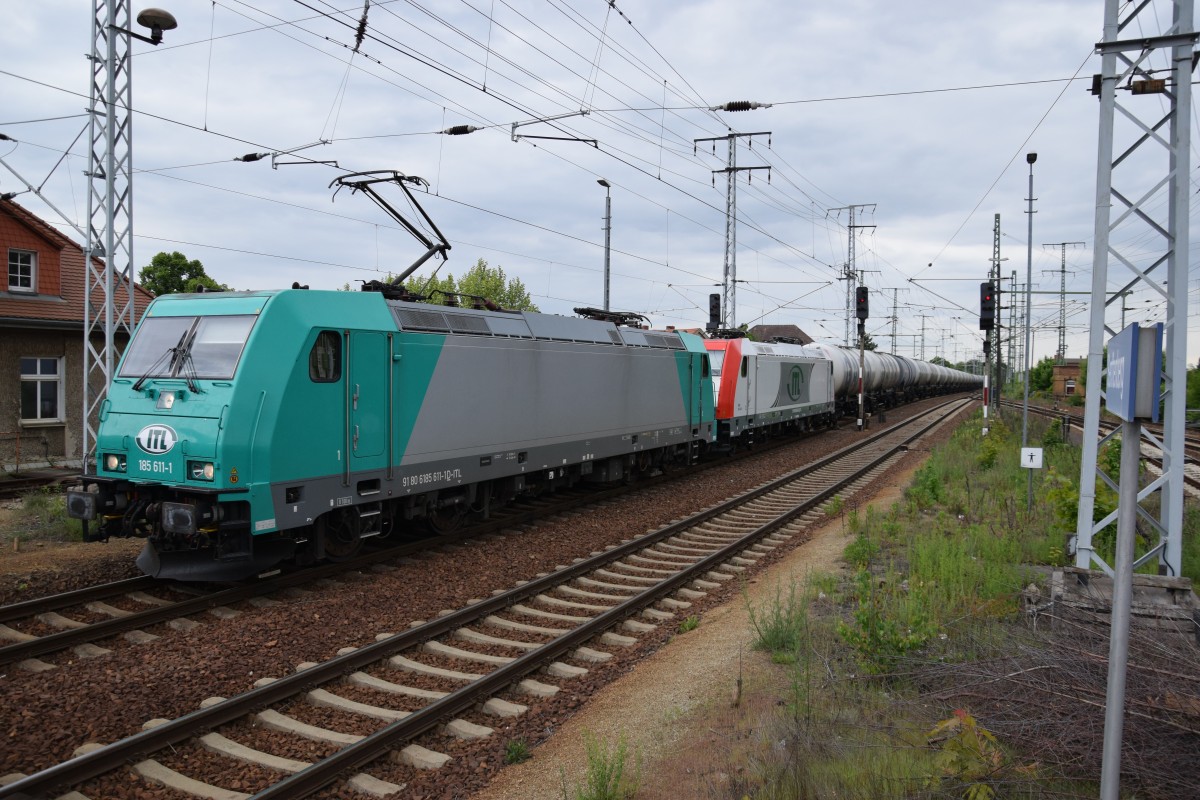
pixel 868 342
pixel 480 280
pixel 1041 377
pixel 1193 388
pixel 491 282
pixel 172 273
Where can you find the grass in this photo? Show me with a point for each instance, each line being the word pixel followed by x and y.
pixel 935 579
pixel 516 751
pixel 40 515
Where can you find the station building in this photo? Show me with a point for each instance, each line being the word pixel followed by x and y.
pixel 41 342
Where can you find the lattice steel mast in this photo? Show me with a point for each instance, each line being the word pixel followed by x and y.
pixel 850 271
pixel 1150 163
pixel 1060 355
pixel 729 273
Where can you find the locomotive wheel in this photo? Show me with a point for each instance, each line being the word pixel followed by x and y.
pixel 342 534
pixel 447 520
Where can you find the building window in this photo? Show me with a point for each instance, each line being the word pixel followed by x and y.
pixel 22 271
pixel 41 389
pixel 1070 387
pixel 325 358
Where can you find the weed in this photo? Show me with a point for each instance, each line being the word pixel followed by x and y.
pixel 609 774
pixel 1054 435
pixel 42 515
pixel 860 552
pixel 779 623
pixel 516 751
pixel 884 629
pixel 834 506
pixel 970 757
pixel 689 624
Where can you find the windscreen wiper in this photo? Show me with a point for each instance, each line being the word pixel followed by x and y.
pixel 170 352
pixel 181 362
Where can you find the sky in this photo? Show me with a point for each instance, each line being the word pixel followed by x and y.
pixel 919 115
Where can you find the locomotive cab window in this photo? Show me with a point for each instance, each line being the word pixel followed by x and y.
pixel 188 347
pixel 716 358
pixel 745 366
pixel 325 358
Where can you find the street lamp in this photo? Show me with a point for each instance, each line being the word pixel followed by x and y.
pixel 157 21
pixel 1029 159
pixel 607 233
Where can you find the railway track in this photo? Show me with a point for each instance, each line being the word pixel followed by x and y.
pixel 451 676
pixel 1150 454
pixel 75 620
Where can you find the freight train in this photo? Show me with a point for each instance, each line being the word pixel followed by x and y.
pixel 245 430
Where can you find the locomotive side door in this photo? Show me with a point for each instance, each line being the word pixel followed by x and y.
pixel 367 398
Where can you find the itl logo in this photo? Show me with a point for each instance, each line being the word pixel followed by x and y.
pixel 795 382
pixel 157 439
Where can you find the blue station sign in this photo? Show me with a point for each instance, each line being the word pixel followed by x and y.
pixel 1135 372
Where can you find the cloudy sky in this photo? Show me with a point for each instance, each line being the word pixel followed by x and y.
pixel 917 114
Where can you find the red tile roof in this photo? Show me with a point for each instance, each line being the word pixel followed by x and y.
pixel 61 276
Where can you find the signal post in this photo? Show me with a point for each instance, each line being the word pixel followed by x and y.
pixel 861 311
pixel 987 322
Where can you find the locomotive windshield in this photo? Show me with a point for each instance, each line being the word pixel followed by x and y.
pixel 187 347
pixel 716 358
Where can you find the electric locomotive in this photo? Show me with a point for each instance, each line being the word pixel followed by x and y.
pixel 767 388
pixel 246 429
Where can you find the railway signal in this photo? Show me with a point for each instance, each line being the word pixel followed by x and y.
pixel 860 303
pixel 987 306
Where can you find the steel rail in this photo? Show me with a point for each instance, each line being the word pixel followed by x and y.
pixel 38 605
pixel 517 514
pixel 322 773
pixel 61 777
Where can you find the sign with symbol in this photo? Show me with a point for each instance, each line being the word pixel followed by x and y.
pixel 1031 457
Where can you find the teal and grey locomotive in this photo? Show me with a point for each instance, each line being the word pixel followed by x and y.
pixel 247 429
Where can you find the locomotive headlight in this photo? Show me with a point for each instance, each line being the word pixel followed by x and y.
pixel 201 470
pixel 114 462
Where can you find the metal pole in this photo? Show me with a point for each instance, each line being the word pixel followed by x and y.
pixel 607 241
pixel 862 340
pixel 1118 645
pixel 1029 159
pixel 607 234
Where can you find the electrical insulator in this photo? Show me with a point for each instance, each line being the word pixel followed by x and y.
pixel 459 130
pixel 860 303
pixel 740 105
pixel 987 306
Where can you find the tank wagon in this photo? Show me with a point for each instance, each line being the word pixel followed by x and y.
pixel 244 430
pixel 888 380
pixel 247 429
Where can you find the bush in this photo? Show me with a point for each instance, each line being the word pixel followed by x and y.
pixel 608 773
pixel 779 624
pixel 884 629
pixel 860 552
